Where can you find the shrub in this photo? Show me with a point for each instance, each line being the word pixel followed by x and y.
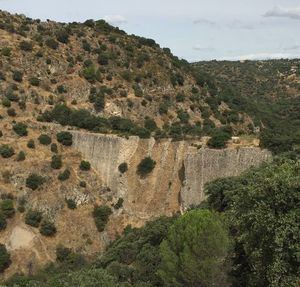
pixel 150 124
pixel 71 203
pixel 101 215
pixel 3 222
pixel 62 36
pixel 51 43
pixel 11 112
pixel 91 74
pixel 33 218
pixel 34 181
pixel 26 46
pixel 82 184
pixel 31 144
pixel 65 138
pixel 56 162
pixel 21 156
pixel 6 102
pixel 34 81
pixel 146 166
pixel 44 139
pixel 218 139
pixel 47 228
pixel 123 167
pixel 99 103
pixel 64 175
pixel 17 76
pixel 5 51
pixel 119 203
pixel 6 151
pixel 53 148
pixel 4 258
pixel 20 129
pixel 85 165
pixel 7 208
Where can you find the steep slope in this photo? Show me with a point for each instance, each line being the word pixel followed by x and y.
pixel 91 81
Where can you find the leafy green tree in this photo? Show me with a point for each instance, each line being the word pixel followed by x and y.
pixel 65 138
pixel 47 228
pixel 123 167
pixel 262 207
pixel 56 162
pixel 146 166
pixel 195 251
pixel 33 218
pixel 85 165
pixel 34 181
pixel 44 139
pixel 20 129
pixel 101 215
pixel 7 208
pixel 219 139
pixel 6 151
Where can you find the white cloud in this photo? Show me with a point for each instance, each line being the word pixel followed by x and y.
pixel 203 21
pixel 292 13
pixel 115 20
pixel 201 48
pixel 259 56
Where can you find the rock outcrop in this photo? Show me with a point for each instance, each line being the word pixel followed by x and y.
pixel 178 180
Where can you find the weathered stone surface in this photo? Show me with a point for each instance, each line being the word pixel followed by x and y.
pixel 178 179
pixel 208 165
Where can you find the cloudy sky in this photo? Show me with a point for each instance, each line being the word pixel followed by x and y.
pixel 193 29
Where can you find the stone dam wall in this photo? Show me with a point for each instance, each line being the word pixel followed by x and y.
pixel 178 179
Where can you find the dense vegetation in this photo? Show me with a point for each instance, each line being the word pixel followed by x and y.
pixel 250 238
pixel 268 91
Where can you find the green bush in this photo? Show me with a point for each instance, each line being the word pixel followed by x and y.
pixel 34 81
pixel 146 166
pixel 53 148
pixel 82 184
pixel 123 167
pixel 65 138
pixel 6 102
pixel 20 129
pixel 26 46
pixel 51 43
pixel 6 51
pixel 34 181
pixel 4 258
pixel 150 124
pixel 47 228
pixel 31 144
pixel 44 139
pixel 62 36
pixel 33 218
pixel 6 151
pixel 21 156
pixel 64 175
pixel 7 208
pixel 17 76
pixel 11 112
pixel 85 165
pixel 99 103
pixel 56 162
pixel 71 203
pixel 101 216
pixel 219 139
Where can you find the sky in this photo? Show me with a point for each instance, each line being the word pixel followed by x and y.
pixel 193 29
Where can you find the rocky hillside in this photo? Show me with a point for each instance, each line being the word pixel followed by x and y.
pixel 65 179
pixel 97 67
